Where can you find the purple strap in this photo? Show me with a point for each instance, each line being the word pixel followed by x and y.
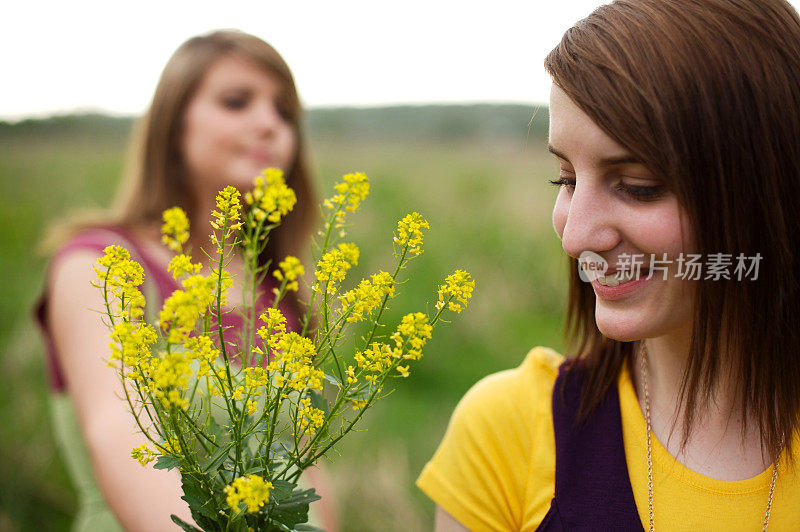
pixel 593 489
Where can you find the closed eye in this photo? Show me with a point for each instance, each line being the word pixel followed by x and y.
pixel 637 192
pixel 236 101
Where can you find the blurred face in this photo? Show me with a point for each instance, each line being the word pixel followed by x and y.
pixel 234 127
pixel 610 209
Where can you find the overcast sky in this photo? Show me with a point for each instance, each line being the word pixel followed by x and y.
pixel 107 56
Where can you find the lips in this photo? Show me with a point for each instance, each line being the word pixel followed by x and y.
pixel 260 155
pixel 619 291
pixel 620 277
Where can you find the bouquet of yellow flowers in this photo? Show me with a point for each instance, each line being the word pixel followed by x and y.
pixel 242 420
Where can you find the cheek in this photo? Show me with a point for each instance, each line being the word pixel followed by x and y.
pixel 290 143
pixel 664 231
pixel 687 234
pixel 197 136
pixel 287 148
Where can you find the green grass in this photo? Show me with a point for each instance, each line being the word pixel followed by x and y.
pixel 488 205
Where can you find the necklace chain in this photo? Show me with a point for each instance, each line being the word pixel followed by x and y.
pixel 649 443
pixel 650 511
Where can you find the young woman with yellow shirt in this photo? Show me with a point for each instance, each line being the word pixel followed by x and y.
pixel 676 129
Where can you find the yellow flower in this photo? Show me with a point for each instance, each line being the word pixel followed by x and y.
pixel 251 490
pixel 309 419
pixel 358 404
pixel 254 378
pixel 112 255
pixel 181 265
pixel 170 377
pixel 411 335
pixel 121 277
pixel 403 370
pixel 143 454
pixel 175 230
pixel 457 286
pixel 334 264
pixel 170 446
pixel 275 324
pixel 202 349
pixel 367 296
pixel 409 232
pixel 271 198
pixel 228 208
pixel 376 359
pixel 290 269
pixel 351 375
pixel 184 307
pixel 350 192
pixel 295 362
pixel 131 344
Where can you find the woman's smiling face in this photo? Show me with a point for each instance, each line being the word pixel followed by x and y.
pixel 610 205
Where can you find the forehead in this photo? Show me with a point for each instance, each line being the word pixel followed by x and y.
pixel 575 135
pixel 234 70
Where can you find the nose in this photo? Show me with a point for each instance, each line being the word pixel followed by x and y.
pixel 265 116
pixel 587 221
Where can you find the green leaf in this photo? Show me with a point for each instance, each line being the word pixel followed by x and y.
pixel 281 489
pixel 289 505
pixel 275 527
pixel 200 499
pixel 302 527
pixel 299 499
pixel 167 462
pixel 183 524
pixel 239 525
pixel 255 468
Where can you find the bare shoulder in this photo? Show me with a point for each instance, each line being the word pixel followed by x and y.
pixel 71 290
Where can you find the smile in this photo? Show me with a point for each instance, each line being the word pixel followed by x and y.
pixel 620 286
pixel 620 277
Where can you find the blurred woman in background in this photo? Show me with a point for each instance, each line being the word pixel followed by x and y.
pixel 674 124
pixel 225 108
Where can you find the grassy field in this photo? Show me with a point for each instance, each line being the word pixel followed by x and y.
pixel 488 203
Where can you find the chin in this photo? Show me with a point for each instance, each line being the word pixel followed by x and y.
pixel 620 328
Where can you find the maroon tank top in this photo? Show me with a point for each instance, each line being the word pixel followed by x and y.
pixel 97 239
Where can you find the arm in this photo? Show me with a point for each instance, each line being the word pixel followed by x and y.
pixel 446 522
pixel 141 498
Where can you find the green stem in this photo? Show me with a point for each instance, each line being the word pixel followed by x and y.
pixel 326 241
pixel 386 297
pixel 198 431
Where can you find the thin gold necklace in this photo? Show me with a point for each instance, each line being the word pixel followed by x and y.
pixel 650 454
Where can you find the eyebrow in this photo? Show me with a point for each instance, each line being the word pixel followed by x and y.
pixel 606 161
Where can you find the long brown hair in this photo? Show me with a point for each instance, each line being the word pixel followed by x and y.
pixel 706 93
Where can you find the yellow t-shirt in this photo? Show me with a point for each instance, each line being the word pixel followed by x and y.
pixel 495 468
